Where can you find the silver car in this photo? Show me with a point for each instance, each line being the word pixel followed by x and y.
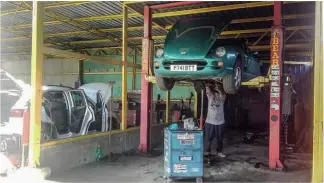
pixel 68 112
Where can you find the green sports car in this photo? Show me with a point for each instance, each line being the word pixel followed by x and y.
pixel 194 52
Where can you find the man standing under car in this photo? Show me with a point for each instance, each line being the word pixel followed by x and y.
pixel 215 122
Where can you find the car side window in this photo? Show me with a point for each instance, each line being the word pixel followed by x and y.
pixel 77 98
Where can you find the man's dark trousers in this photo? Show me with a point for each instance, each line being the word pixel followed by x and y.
pixel 214 131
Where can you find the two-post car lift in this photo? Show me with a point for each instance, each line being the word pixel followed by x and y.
pixel 275 85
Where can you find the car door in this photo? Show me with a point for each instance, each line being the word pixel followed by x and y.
pixel 101 112
pixel 82 115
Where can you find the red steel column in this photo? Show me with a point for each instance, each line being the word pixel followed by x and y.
pixel 146 87
pixel 276 88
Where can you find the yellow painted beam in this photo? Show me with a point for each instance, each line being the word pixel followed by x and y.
pixel 88 136
pixel 107 73
pixel 233 32
pixel 290 62
pixel 224 33
pixel 270 18
pixel 267 47
pixel 247 31
pixel 124 69
pixel 49 5
pixel 167 107
pixel 318 115
pixel 36 83
pixel 131 2
pixel 212 9
pixel 254 48
pixel 97 59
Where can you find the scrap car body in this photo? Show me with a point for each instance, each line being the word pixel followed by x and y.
pixel 67 112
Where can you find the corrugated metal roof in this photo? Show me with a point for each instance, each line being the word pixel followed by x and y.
pixel 107 8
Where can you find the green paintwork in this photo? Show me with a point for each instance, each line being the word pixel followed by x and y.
pixel 176 93
pixel 194 40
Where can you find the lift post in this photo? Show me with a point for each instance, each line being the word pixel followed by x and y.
pixel 146 77
pixel 275 88
pixel 146 86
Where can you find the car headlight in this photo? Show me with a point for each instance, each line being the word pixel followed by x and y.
pixel 159 52
pixel 220 51
pixel 156 65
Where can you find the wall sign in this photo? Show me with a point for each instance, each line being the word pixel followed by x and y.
pixel 275 65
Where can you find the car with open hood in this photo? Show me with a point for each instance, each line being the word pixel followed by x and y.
pixel 67 112
pixel 194 52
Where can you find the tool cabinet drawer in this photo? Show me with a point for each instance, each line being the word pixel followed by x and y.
pixel 187 140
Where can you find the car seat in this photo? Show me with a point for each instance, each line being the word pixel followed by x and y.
pixel 59 116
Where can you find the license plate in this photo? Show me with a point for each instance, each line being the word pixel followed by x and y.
pixel 183 67
pixel 185 158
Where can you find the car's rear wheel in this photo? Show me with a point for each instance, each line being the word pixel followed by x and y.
pixel 164 84
pixel 232 82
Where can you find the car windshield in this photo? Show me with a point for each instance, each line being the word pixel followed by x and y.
pixel 213 25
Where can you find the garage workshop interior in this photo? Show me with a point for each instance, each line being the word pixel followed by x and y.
pixel 161 91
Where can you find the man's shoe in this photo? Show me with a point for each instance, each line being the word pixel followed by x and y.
pixel 221 155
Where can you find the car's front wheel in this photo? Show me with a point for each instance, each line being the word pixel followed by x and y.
pixel 164 84
pixel 232 82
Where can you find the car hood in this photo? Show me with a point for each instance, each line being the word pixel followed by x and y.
pixel 91 90
pixel 191 38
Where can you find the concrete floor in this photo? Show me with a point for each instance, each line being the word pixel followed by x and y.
pixel 238 166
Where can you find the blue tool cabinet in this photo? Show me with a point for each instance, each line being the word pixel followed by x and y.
pixel 183 154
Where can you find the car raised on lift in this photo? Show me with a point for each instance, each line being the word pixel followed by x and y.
pixel 194 52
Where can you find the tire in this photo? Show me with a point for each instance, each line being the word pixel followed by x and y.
pixel 199 180
pixel 164 84
pixel 232 82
